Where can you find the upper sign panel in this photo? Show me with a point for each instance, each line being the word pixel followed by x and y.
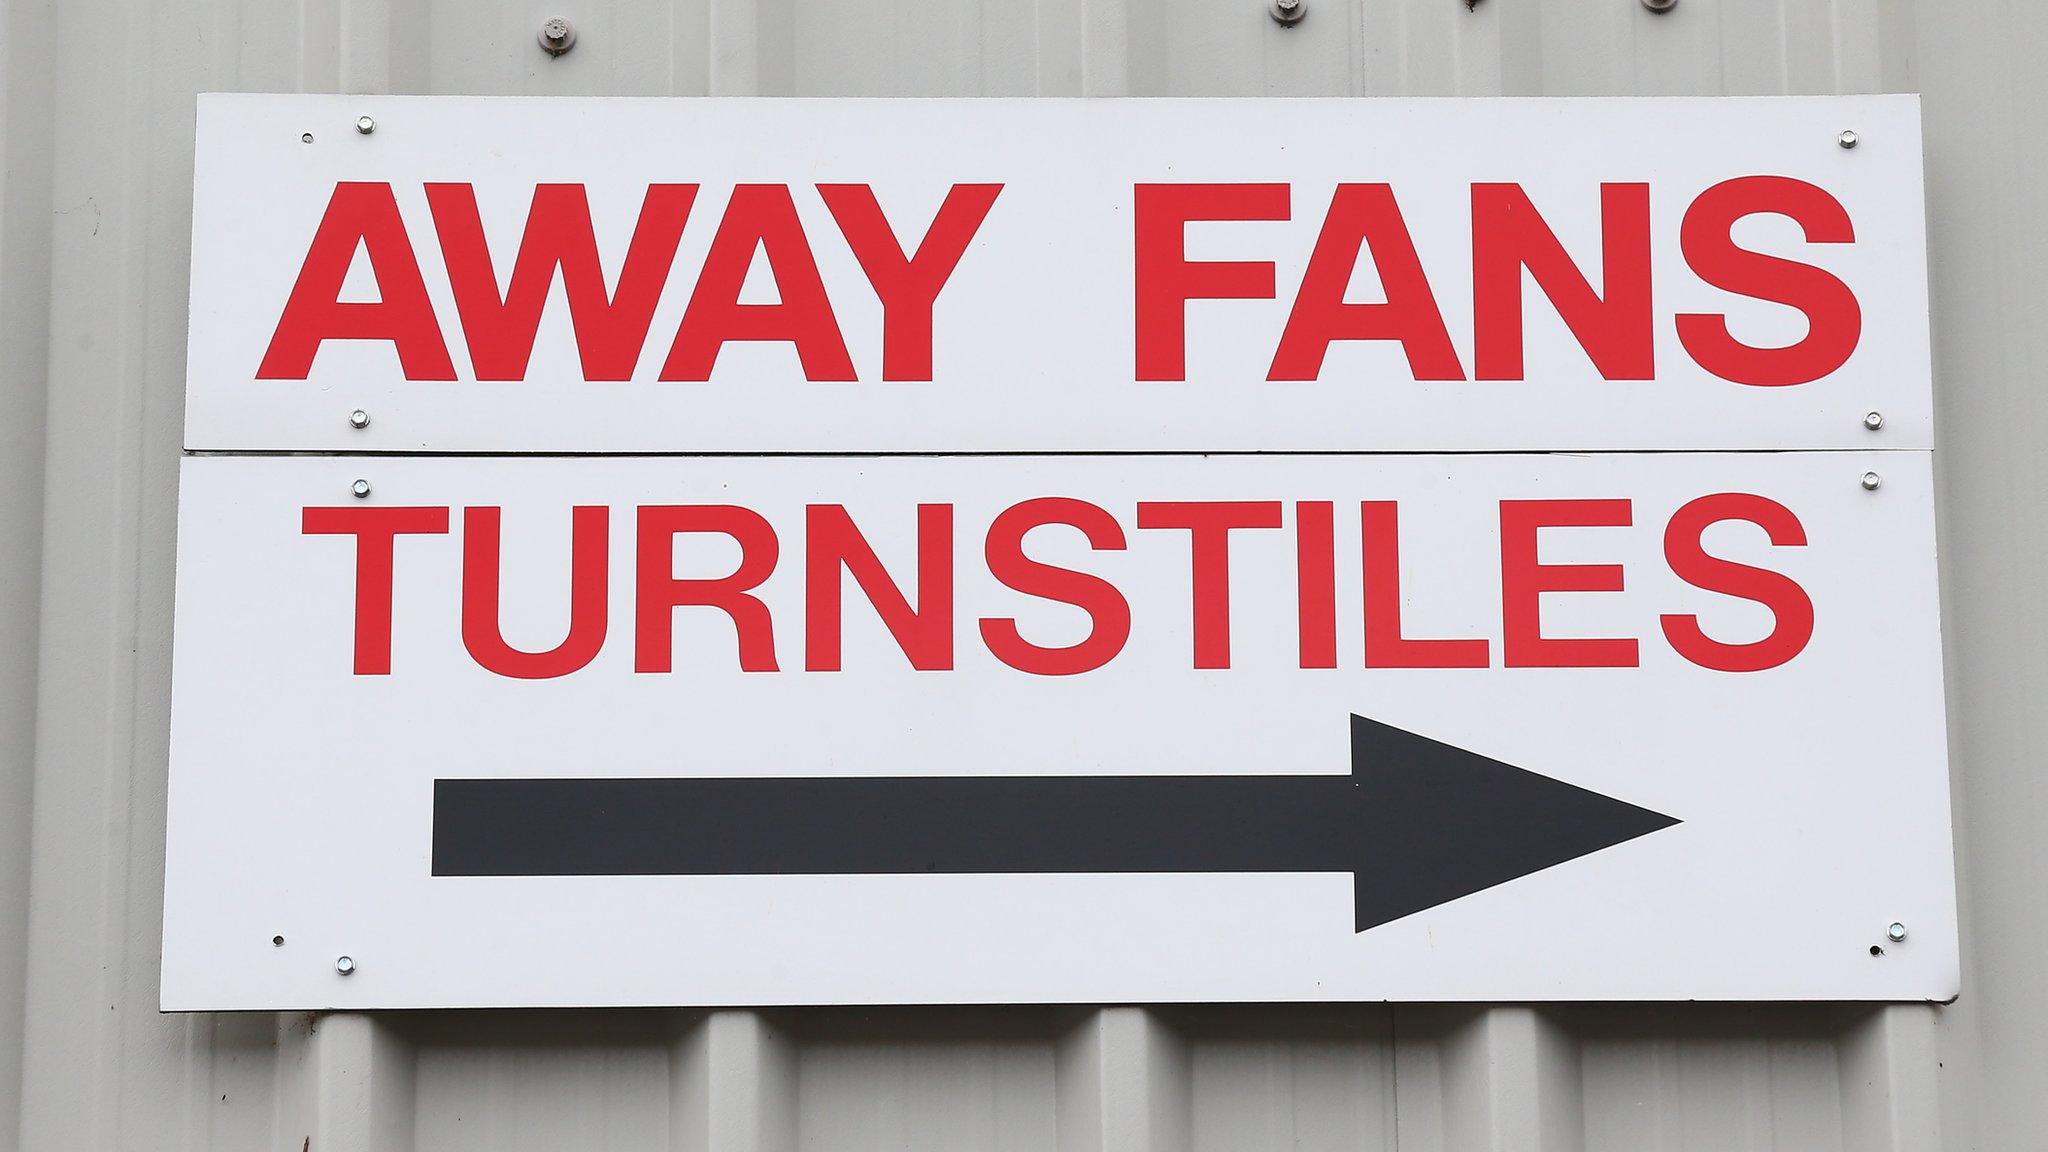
pixel 707 275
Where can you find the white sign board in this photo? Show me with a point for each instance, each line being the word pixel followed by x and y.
pixel 1081 275
pixel 1357 686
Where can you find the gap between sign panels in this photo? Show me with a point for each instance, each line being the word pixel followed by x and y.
pixel 422 454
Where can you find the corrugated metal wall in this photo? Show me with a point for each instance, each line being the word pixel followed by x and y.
pixel 96 117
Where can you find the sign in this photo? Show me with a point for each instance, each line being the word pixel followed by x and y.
pixel 955 688
pixel 733 275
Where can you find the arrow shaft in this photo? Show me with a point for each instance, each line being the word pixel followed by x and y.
pixel 782 826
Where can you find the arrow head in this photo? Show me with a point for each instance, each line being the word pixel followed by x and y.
pixel 1437 822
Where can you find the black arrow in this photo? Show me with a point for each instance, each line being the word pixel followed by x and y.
pixel 1417 823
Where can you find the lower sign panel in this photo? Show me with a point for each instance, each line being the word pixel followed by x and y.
pixel 639 731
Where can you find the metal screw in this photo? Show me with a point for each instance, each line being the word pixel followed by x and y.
pixel 1660 6
pixel 1847 139
pixel 361 419
pixel 365 125
pixel 306 138
pixel 1870 481
pixel 345 965
pixel 557 36
pixel 1289 11
pixel 1896 932
pixel 1871 420
pixel 361 489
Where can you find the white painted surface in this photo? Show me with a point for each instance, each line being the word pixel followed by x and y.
pixel 1034 335
pixel 97 115
pixel 280 747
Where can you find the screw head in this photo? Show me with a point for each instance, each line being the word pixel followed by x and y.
pixel 345 965
pixel 305 137
pixel 361 489
pixel 1873 420
pixel 1847 139
pixel 557 36
pixel 1660 6
pixel 1896 932
pixel 1870 481
pixel 1288 11
pixel 365 125
pixel 359 419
